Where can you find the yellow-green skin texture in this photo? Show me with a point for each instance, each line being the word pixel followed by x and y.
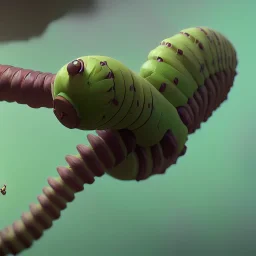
pixel 91 95
pixel 144 110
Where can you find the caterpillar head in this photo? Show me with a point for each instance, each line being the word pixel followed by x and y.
pixel 80 94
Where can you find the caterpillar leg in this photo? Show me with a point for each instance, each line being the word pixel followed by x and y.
pixel 188 112
pixel 144 162
pixel 24 86
pixel 107 150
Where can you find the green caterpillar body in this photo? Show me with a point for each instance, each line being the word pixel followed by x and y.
pixel 192 66
pixel 124 101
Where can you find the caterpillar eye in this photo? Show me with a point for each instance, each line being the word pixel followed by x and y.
pixel 75 67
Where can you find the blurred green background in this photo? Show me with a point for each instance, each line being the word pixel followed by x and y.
pixel 205 205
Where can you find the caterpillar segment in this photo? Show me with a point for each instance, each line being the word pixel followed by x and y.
pixel 25 86
pixel 201 63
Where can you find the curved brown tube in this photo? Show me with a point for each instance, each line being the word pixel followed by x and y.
pixel 82 169
pixel 25 86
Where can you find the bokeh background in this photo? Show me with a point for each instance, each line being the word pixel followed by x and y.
pixel 205 205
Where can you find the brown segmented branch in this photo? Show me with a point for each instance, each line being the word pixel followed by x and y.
pixel 89 163
pixel 25 86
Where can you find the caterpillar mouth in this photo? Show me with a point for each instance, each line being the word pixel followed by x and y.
pixel 65 112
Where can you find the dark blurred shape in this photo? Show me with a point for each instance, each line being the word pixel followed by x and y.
pixel 25 19
pixel 3 190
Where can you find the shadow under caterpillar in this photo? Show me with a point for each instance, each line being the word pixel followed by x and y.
pixel 142 120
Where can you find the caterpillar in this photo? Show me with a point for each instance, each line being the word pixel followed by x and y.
pixel 142 120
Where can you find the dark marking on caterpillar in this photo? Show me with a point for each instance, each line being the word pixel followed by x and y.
pixel 162 87
pixel 132 88
pixel 103 63
pixel 110 75
pixel 201 46
pixel 115 102
pixel 176 81
pixel 180 52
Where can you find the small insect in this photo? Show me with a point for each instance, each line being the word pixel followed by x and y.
pixel 3 190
